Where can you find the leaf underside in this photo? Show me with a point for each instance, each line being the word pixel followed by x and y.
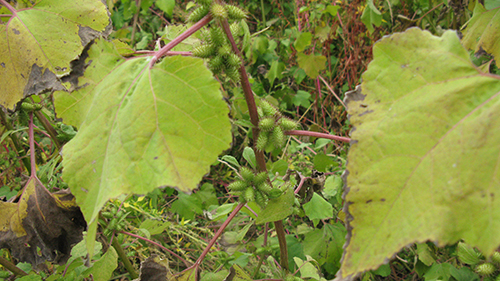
pixel 140 128
pixel 31 60
pixel 425 160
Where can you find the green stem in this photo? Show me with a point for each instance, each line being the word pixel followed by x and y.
pixel 126 262
pixel 134 24
pixel 15 141
pixel 48 127
pixel 12 267
pixel 263 12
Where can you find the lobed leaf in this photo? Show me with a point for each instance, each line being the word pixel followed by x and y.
pixel 140 128
pixel 424 163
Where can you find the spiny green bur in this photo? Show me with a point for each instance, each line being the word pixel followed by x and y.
pixel 247 175
pixel 218 11
pixel 217 36
pixel 204 51
pixel 249 194
pixel 235 13
pixel 486 269
pixel 278 137
pixel 287 124
pixel 266 124
pixel 262 140
pixel 238 186
pixel 198 13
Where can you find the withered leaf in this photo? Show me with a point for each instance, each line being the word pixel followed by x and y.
pixel 39 226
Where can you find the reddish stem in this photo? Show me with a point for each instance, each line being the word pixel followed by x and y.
pixel 32 146
pixel 9 7
pixel 247 90
pixel 163 51
pixel 218 233
pixel 317 135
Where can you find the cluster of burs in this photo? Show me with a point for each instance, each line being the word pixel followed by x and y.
pixel 254 186
pixel 216 47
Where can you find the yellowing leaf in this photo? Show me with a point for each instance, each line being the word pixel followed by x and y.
pixel 424 164
pixel 140 128
pixel 482 31
pixel 31 41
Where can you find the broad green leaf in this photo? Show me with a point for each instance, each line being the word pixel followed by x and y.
pixel 303 41
pixel 276 71
pixel 332 10
pixel 166 6
pixel 333 185
pixel 440 272
pixel 31 41
pixel 302 99
pixel 279 208
pixel 140 128
pixel 154 226
pixel 187 206
pixel 307 269
pixel 318 208
pixel 371 16
pixel 312 64
pixel 322 162
pixel 103 268
pixel 424 162
pixel 482 31
pixel 384 270
pixel 424 254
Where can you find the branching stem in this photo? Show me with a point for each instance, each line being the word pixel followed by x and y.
pixel 254 118
pixel 317 135
pixel 163 51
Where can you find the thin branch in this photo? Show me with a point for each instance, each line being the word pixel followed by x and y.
pixel 163 51
pixel 32 146
pixel 12 267
pixel 331 90
pixel 317 135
